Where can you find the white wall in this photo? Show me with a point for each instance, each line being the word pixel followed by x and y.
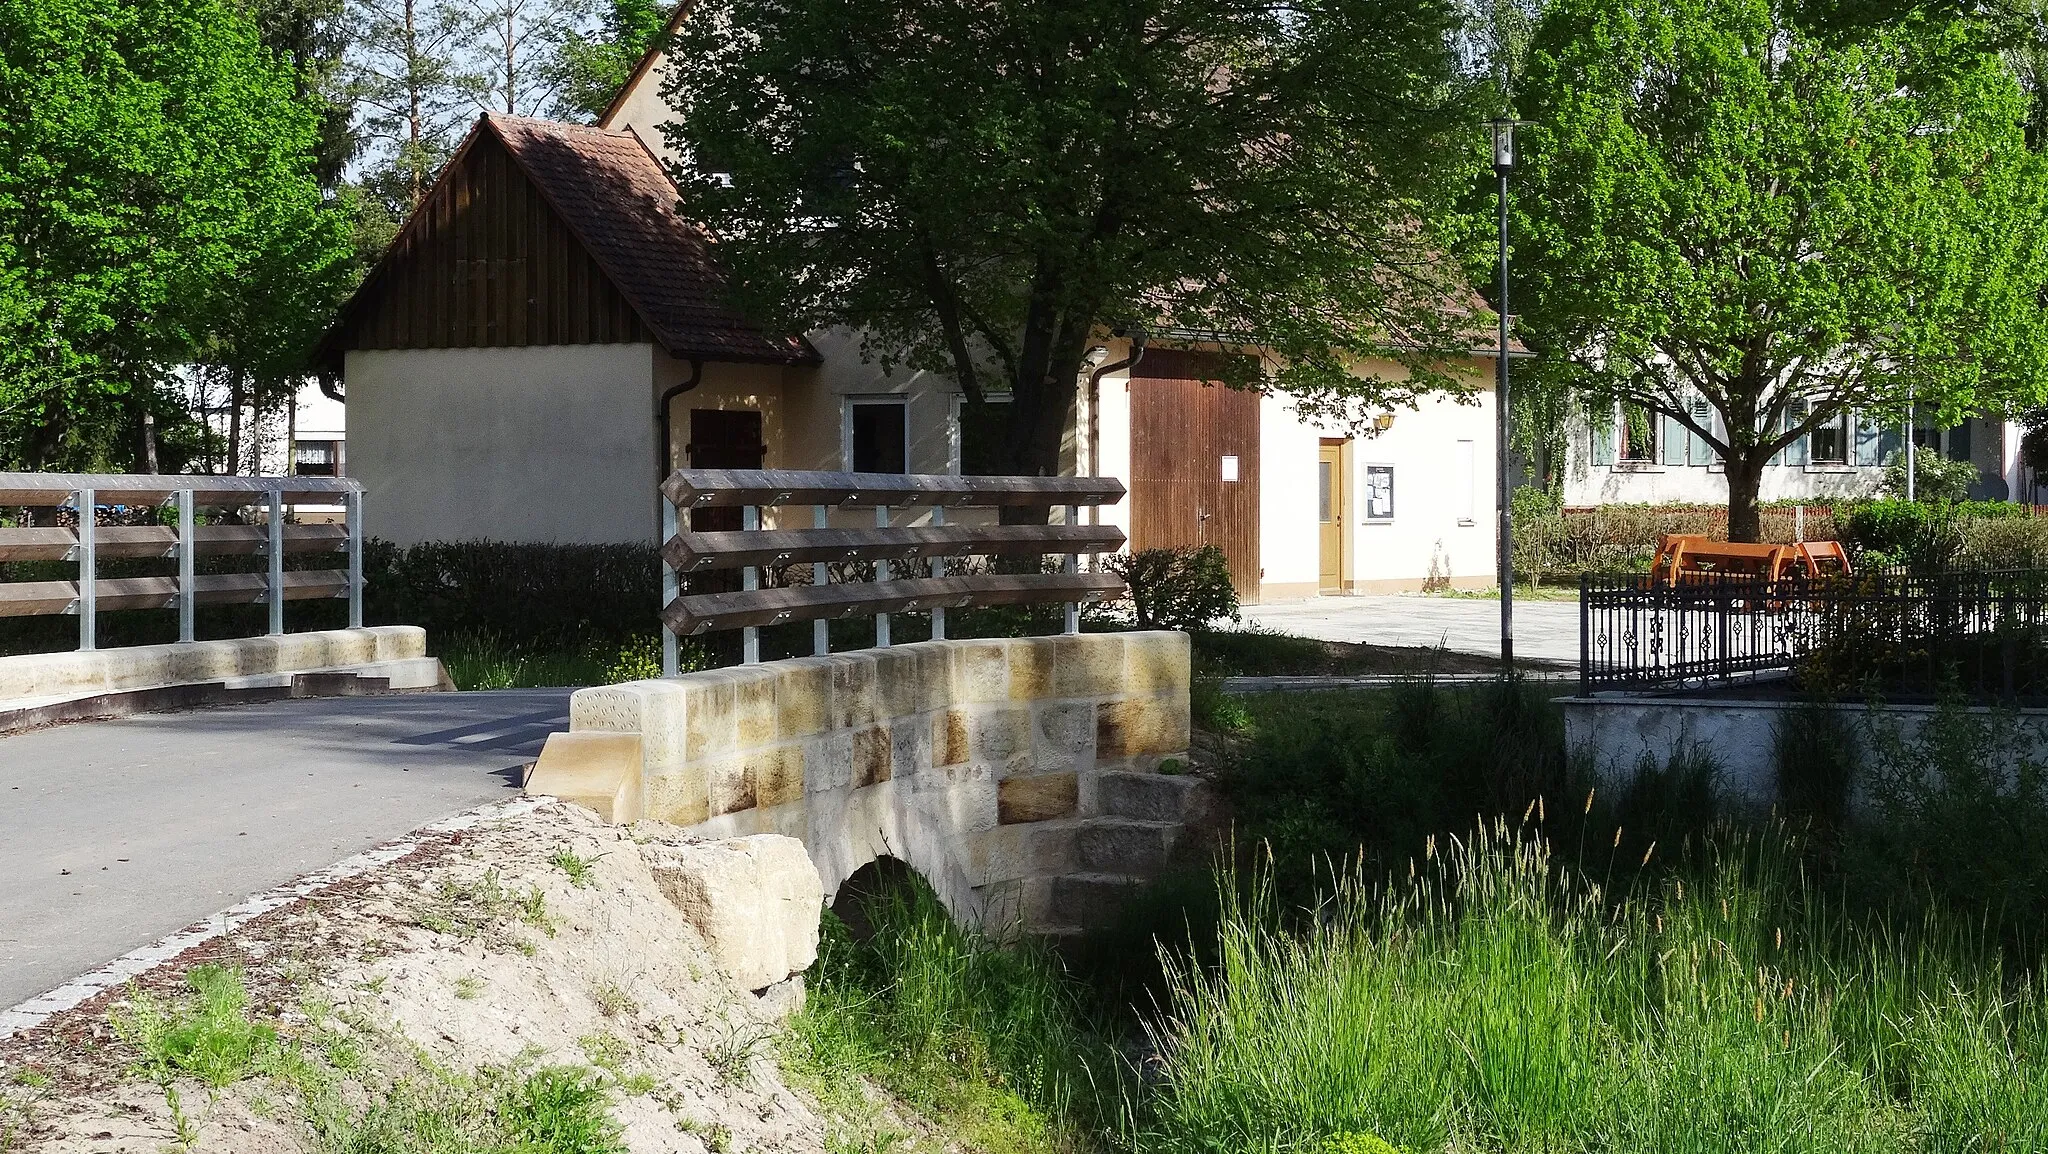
pixel 1586 484
pixel 548 443
pixel 1379 557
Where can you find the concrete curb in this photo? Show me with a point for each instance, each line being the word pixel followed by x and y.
pixel 76 992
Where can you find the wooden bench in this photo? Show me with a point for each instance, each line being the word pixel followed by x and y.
pixel 1686 558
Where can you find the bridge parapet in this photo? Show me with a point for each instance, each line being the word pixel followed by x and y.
pixel 1019 775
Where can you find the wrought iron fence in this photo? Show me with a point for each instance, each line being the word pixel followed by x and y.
pixel 1984 632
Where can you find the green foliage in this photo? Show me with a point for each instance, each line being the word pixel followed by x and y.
pixel 1080 157
pixel 552 1110
pixel 991 1041
pixel 536 597
pixel 1936 479
pixel 1882 534
pixel 1185 588
pixel 592 66
pixel 1497 1001
pixel 1721 203
pixel 207 1035
pixel 158 207
pixel 574 864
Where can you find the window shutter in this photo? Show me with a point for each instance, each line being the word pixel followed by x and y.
pixel 1603 441
pixel 1959 440
pixel 1890 442
pixel 1869 449
pixel 1796 452
pixel 1672 440
pixel 1696 446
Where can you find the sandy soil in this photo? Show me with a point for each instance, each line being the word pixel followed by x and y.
pixel 445 957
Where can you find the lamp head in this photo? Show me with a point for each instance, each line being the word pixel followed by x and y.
pixel 1095 356
pixel 1503 130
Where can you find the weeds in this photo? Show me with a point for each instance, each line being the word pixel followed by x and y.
pixel 575 865
pixel 207 1035
pixel 482 909
pixel 21 1095
pixel 733 1053
pixel 468 987
pixel 613 1000
pixel 552 1110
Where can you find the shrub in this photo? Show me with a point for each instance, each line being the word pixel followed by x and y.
pixel 1935 477
pixel 1182 588
pixel 530 596
pixel 2004 541
pixel 1882 534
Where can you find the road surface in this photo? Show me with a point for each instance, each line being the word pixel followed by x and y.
pixel 116 833
pixel 1545 631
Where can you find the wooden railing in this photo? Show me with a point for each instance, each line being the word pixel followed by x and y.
pixel 752 548
pixel 88 541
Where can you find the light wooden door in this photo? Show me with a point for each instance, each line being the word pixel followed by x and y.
pixel 1330 513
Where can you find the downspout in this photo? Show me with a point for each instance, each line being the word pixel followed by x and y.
pixel 1095 409
pixel 662 422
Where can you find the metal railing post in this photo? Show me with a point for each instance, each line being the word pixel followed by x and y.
pixel 188 599
pixel 939 570
pixel 352 506
pixel 274 583
pixel 88 570
pixel 821 630
pixel 882 573
pixel 750 580
pixel 1072 567
pixel 671 657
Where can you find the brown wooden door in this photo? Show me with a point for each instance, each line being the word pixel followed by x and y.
pixel 723 439
pixel 1330 514
pixel 1195 462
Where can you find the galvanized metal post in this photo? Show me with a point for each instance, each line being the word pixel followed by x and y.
pixel 671 657
pixel 750 580
pixel 188 600
pixel 939 570
pixel 881 574
pixel 274 584
pixel 352 506
pixel 88 571
pixel 1073 566
pixel 821 631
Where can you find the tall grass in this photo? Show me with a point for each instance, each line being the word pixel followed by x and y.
pixel 1495 1001
pixel 993 1042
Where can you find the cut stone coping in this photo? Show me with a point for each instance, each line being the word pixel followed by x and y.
pixel 43 688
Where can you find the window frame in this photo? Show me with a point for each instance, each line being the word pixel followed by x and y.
pixel 852 400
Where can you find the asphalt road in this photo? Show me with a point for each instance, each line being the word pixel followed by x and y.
pixel 116 833
pixel 1545 631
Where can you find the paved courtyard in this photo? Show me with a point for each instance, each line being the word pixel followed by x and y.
pixel 1545 631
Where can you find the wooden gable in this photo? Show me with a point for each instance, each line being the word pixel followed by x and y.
pixel 487 262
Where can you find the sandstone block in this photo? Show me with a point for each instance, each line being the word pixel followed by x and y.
pixel 853 691
pixel 828 761
pixel 778 775
pixel 980 672
pixel 873 751
pixel 599 771
pixel 711 723
pixel 949 737
pixel 1085 900
pixel 1041 797
pixel 803 698
pixel 1156 661
pixel 729 785
pixel 1088 665
pixel 1117 846
pixel 754 900
pixel 1064 735
pixel 1156 797
pixel 999 732
pixel 754 705
pixel 1156 724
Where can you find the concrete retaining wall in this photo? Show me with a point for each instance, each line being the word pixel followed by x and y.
pixel 30 677
pixel 1019 775
pixel 1740 736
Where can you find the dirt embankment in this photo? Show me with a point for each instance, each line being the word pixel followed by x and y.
pixel 523 985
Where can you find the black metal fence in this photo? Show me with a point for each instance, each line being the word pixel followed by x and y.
pixel 1891 632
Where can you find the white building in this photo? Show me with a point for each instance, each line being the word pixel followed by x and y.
pixel 546 338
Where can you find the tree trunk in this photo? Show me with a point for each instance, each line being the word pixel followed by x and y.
pixel 1745 473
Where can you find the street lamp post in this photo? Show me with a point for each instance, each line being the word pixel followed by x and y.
pixel 1503 163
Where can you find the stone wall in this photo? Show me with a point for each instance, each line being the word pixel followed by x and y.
pixel 1021 776
pixel 32 677
pixel 1618 731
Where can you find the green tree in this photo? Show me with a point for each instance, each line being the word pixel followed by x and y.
pixel 158 207
pixel 984 189
pixel 1720 205
pixel 593 63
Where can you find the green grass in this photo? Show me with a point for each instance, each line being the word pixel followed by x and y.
pixel 1497 1002
pixel 990 1043
pixel 206 1034
pixel 431 1110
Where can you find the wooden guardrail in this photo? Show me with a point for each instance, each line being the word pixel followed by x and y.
pixel 88 541
pixel 752 548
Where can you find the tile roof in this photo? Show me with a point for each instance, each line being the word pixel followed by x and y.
pixel 614 196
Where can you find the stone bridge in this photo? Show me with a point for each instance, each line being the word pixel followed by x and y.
pixel 1033 781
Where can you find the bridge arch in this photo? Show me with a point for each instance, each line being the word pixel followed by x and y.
pixel 1019 776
